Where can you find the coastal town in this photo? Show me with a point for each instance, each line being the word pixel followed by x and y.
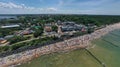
pixel 37 29
pixel 26 41
pixel 59 33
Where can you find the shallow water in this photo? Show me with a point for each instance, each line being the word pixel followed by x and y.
pixel 106 50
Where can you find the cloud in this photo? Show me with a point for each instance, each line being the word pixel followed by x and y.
pixel 51 9
pixel 14 6
pixel 11 5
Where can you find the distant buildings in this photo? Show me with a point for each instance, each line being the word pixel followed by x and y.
pixel 48 29
pixel 72 26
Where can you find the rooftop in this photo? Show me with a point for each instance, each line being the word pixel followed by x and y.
pixel 10 26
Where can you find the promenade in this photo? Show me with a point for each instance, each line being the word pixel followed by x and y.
pixel 67 45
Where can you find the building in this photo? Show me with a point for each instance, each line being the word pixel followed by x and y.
pixel 10 26
pixel 48 24
pixel 24 32
pixel 2 41
pixel 59 23
pixel 27 32
pixel 67 28
pixel 48 29
pixel 69 23
pixel 8 36
pixel 72 27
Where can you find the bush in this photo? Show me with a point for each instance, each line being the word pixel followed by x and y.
pixel 90 30
pixel 38 32
pixel 16 39
pixel 55 28
pixel 17 46
pixel 4 48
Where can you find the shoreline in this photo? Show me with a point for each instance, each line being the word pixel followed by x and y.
pixel 67 45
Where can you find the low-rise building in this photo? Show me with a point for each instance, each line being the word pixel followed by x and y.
pixel 67 28
pixel 51 34
pixel 47 29
pixel 69 23
pixel 27 32
pixel 24 32
pixel 8 36
pixel 10 26
pixel 2 40
pixel 75 27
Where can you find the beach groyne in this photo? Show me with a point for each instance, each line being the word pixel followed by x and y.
pixel 103 64
pixel 66 45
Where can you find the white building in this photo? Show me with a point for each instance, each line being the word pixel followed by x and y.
pixel 10 26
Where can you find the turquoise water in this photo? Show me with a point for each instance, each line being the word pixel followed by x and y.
pixel 106 50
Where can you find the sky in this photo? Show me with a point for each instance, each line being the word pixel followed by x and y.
pixel 101 7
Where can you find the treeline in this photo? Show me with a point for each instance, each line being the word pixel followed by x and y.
pixel 83 19
pixel 8 31
pixel 89 19
pixel 16 39
pixel 80 19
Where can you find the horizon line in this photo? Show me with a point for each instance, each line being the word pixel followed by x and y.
pixel 61 14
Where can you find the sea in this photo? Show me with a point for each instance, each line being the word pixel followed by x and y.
pixel 104 52
pixel 7 16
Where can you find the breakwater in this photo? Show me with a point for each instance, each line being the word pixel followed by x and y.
pixel 103 64
pixel 70 44
pixel 110 42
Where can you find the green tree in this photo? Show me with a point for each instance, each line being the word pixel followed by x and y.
pixel 4 48
pixel 16 39
pixel 90 30
pixel 38 32
pixel 54 28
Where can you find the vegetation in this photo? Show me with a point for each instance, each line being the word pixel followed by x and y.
pixel 8 31
pixel 38 32
pixel 55 28
pixel 4 48
pixel 80 19
pixel 36 23
pixel 16 39
pixel 90 30
pixel 29 20
pixel 39 41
